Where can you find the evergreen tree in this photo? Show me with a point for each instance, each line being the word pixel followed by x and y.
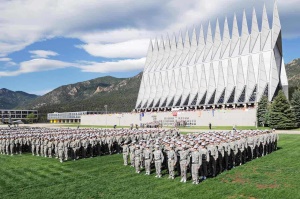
pixel 296 105
pixel 262 112
pixel 281 114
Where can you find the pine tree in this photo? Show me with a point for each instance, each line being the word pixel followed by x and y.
pixel 295 102
pixel 281 114
pixel 262 111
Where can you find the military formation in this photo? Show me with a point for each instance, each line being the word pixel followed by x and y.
pixel 70 144
pixel 199 155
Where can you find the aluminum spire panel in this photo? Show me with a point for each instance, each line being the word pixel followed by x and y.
pixel 179 88
pixel 274 79
pixel 201 46
pixel 265 32
pixel 202 84
pixel 245 40
pixel 172 53
pixel 262 79
pixel 166 54
pixel 234 48
pixel 251 80
pixel 186 88
pixel 240 80
pixel 255 35
pixel 149 55
pixel 154 56
pixel 226 41
pixel 220 84
pixel 211 84
pixel 217 43
pixel 172 90
pixel 276 27
pixel 179 51
pixel 165 92
pixel 160 55
pixel 230 81
pixel 186 49
pixel 209 44
pixel 194 45
pixel 195 85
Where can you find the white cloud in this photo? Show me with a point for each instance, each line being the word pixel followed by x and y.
pixel 42 53
pixel 108 67
pixel 112 21
pixel 37 65
pixel 5 59
pixel 128 49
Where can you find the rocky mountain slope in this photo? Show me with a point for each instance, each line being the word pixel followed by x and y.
pixel 11 99
pixel 119 94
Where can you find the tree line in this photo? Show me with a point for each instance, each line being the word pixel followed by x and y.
pixel 279 114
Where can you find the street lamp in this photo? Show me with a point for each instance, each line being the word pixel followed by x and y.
pixel 105 106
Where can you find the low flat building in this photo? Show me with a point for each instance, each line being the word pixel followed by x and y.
pixel 69 117
pixel 17 114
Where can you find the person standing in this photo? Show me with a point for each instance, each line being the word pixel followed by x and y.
pixel 172 160
pixel 184 161
pixel 205 159
pixel 159 159
pixel 213 156
pixel 196 162
pixel 125 153
pixel 148 156
pixel 137 158
pixel 60 149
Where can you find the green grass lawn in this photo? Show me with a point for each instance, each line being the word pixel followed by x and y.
pixel 24 176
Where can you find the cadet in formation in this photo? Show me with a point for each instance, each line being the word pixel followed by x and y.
pixel 200 155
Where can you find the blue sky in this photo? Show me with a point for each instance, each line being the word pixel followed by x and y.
pixel 46 44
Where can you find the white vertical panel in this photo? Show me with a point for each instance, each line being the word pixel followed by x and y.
pixel 186 49
pixel 255 35
pixel 179 86
pixel 194 45
pixel 240 80
pixel 166 54
pixel 149 56
pixel 201 46
pixel 245 38
pixel 262 78
pixel 217 43
pixel 274 79
pixel 186 87
pixel 234 48
pixel 226 41
pixel 172 90
pixel 251 80
pixel 276 27
pixel 211 84
pixel 179 51
pixel 202 84
pixel 194 84
pixel 265 29
pixel 230 81
pixel 166 89
pixel 170 62
pixel 221 82
pixel 209 44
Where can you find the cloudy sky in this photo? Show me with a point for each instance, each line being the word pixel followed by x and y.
pixel 48 43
